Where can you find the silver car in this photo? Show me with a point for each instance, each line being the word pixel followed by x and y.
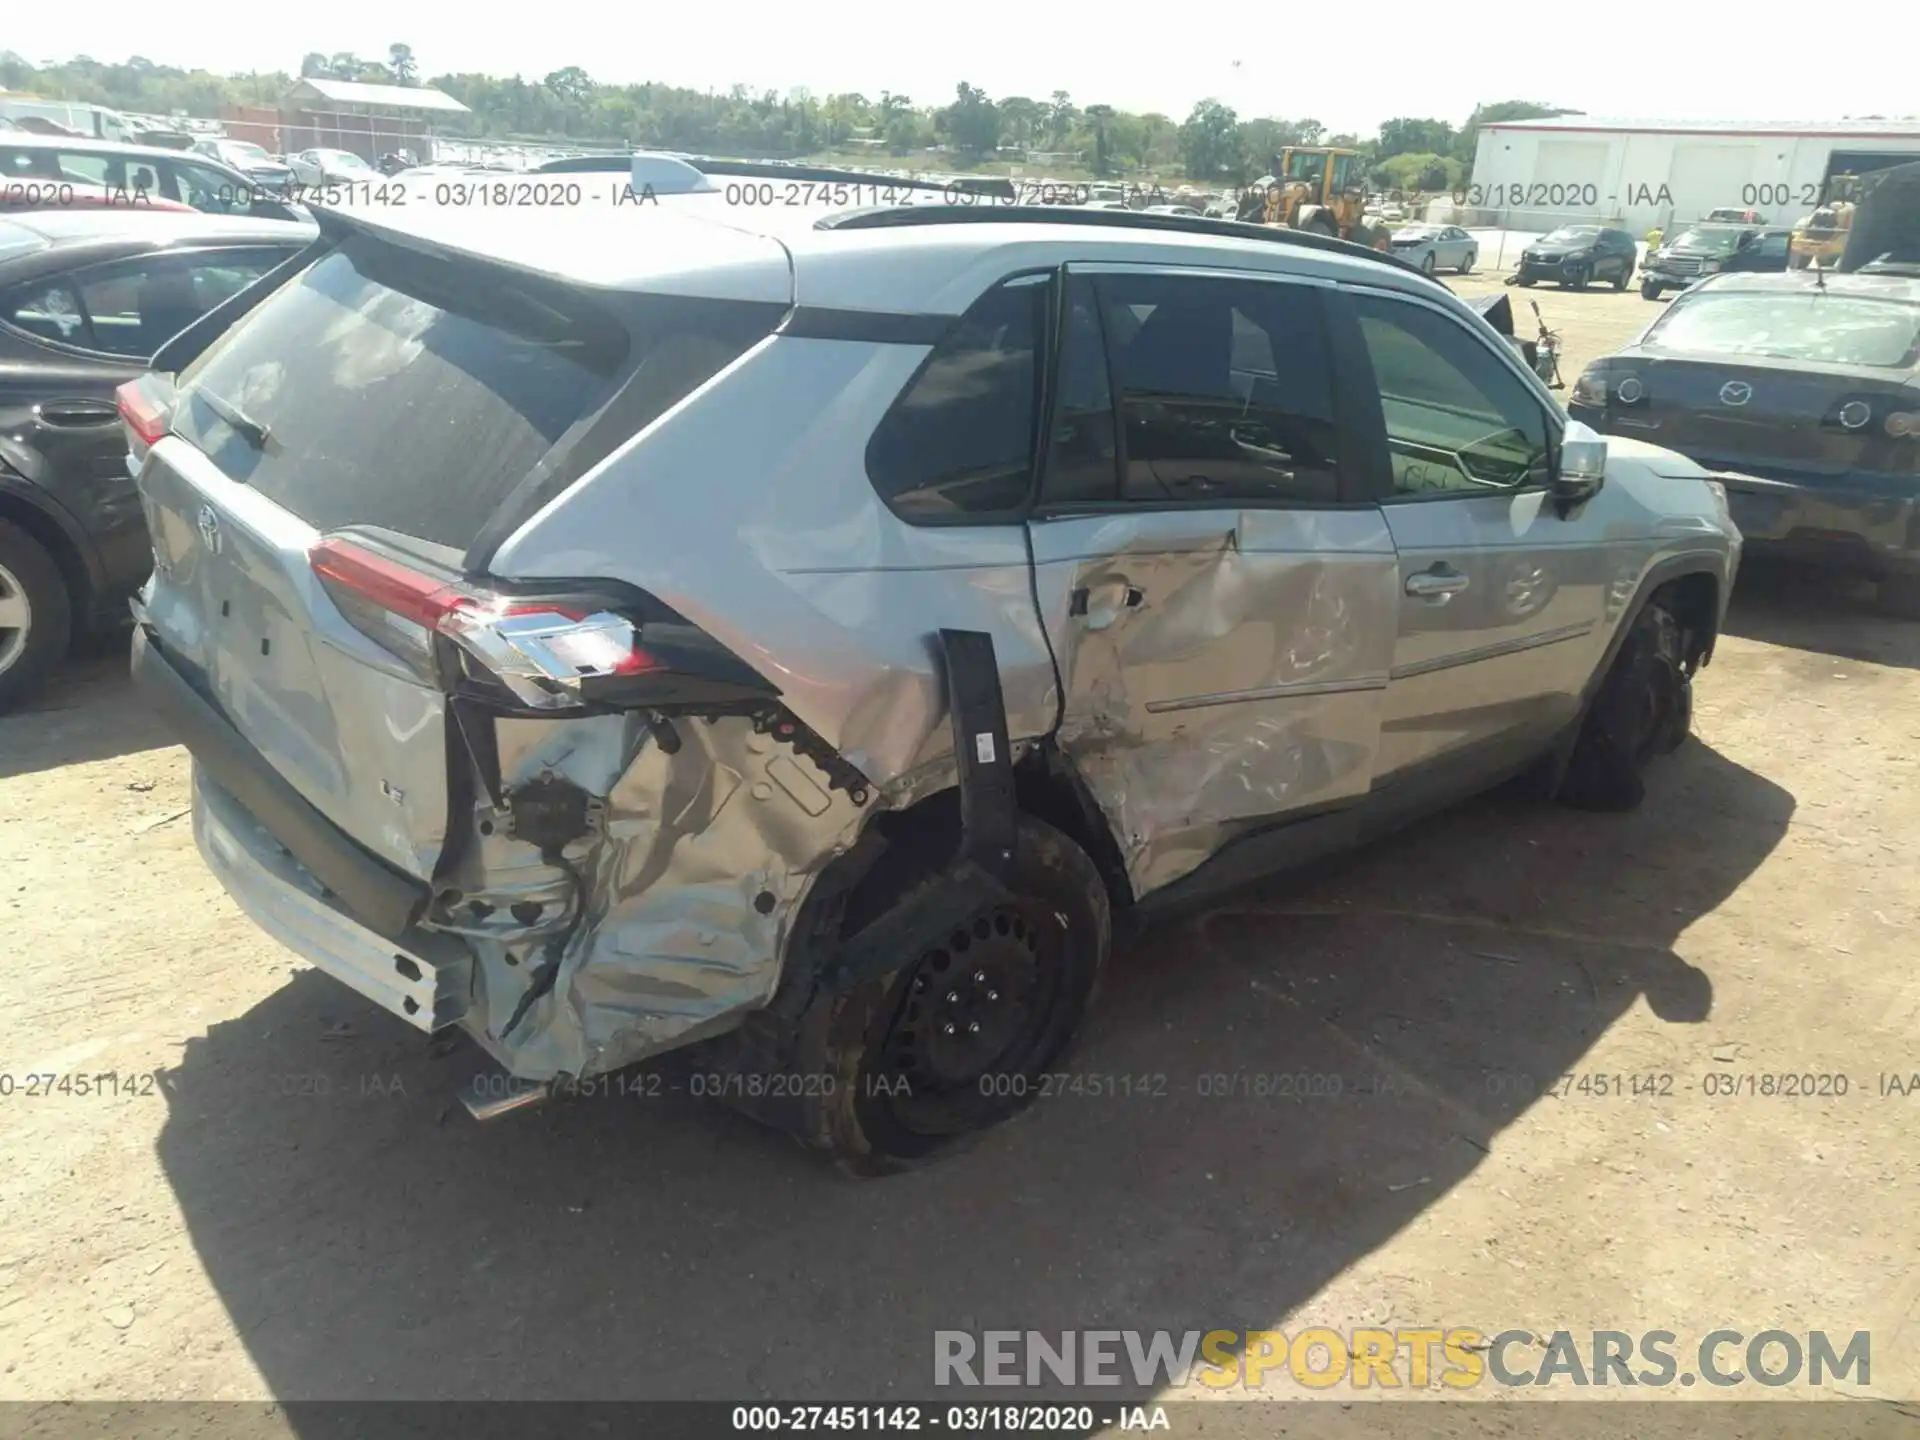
pixel 331 167
pixel 803 633
pixel 1437 247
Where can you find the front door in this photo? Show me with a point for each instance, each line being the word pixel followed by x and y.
pixel 1218 600
pixel 1499 596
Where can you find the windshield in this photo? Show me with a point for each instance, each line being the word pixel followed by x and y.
pixel 1572 235
pixel 1825 328
pixel 1306 167
pixel 344 159
pixel 246 150
pixel 1722 242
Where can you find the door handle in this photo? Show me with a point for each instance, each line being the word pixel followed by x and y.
pixel 1440 583
pixel 1114 596
pixel 77 412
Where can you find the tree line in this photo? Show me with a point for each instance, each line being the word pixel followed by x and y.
pixel 1213 145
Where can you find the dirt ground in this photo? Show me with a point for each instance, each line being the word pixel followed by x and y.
pixel 298 1209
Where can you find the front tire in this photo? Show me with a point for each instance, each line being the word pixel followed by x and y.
pixel 1427 264
pixel 36 615
pixel 1625 275
pixel 1580 278
pixel 1644 709
pixel 918 1063
pixel 1649 290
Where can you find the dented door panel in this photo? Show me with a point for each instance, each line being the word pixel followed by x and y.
pixel 1225 667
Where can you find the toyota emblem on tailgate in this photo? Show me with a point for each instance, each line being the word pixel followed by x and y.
pixel 1735 392
pixel 209 529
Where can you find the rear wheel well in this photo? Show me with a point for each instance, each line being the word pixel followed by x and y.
pixel 54 540
pixel 1050 789
pixel 1694 602
pixel 925 836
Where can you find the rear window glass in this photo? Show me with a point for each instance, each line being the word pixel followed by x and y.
pixel 415 395
pixel 1829 329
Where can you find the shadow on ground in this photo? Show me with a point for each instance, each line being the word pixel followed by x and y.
pixel 1832 613
pixel 89 711
pixel 371 1241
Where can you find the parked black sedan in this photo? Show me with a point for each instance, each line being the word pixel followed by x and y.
pixel 1578 255
pixel 86 296
pixel 1803 391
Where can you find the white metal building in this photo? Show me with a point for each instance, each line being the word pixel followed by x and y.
pixel 1531 174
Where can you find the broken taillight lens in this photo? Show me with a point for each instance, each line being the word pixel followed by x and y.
pixel 548 653
pixel 144 413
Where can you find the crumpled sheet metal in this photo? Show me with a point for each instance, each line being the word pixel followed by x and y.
pixel 701 859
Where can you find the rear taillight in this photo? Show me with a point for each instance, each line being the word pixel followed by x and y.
pixel 144 412
pixel 547 653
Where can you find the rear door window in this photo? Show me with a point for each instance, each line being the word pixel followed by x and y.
pixel 414 394
pixel 1226 389
pixel 1082 453
pixel 204 188
pixel 28 163
pixel 133 307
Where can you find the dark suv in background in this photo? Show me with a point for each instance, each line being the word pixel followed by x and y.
pixel 1577 255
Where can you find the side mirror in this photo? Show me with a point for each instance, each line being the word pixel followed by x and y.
pixel 1583 466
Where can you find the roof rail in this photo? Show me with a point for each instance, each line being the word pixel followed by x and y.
pixel 880 217
pixel 993 187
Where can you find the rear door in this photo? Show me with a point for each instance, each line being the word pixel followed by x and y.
pixel 1498 597
pixel 1219 602
pixel 90 330
pixel 400 396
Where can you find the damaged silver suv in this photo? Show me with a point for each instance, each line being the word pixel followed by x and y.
pixel 803 632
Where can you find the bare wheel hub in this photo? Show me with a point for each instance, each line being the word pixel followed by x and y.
pixel 969 1001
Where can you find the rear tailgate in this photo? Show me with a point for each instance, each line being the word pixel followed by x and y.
pixel 408 393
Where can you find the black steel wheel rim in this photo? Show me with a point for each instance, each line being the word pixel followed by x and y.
pixel 970 1022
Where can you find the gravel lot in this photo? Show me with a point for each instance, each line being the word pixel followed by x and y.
pixel 298 1210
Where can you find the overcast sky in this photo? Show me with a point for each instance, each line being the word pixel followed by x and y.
pixel 1347 65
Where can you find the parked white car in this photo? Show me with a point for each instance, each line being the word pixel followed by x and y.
pixel 330 167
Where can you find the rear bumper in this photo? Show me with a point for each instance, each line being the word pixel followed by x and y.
pixel 379 897
pixel 427 981
pixel 1828 523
